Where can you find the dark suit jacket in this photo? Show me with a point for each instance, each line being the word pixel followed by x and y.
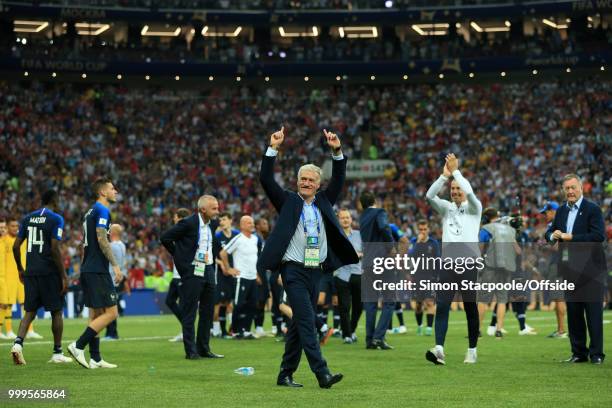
pixel 289 206
pixel 181 240
pixel 586 258
pixel 374 226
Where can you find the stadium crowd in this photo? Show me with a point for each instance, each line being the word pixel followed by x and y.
pixel 165 147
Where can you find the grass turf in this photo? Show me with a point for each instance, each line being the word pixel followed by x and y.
pixel 513 372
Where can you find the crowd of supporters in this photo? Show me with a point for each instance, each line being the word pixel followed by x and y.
pixel 163 148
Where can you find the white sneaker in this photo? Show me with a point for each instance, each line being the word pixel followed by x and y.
pixel 274 330
pixel 470 356
pixel 78 354
pixel 527 332
pixel 436 356
pixel 176 339
pixel 3 336
pixel 100 364
pixel 215 334
pixel 402 330
pixel 11 336
pixel 59 358
pixel 34 335
pixel 259 331
pixel 491 331
pixel 531 329
pixel 17 353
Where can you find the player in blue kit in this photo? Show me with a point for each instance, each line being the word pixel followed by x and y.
pixel 44 277
pixel 98 288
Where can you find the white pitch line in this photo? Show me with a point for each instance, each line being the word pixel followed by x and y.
pixel 34 343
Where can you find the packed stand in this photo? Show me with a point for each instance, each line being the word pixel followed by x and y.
pixel 164 148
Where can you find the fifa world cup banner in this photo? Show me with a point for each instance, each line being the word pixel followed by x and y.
pixel 362 169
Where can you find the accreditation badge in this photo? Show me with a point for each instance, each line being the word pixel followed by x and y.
pixel 199 268
pixel 565 255
pixel 312 258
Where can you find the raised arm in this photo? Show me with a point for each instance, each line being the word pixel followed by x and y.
pixel 273 190
pixel 334 188
pixel 438 204
pixel 474 205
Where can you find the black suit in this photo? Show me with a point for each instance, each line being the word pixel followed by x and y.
pixel 302 284
pixel 584 264
pixel 182 240
pixel 374 229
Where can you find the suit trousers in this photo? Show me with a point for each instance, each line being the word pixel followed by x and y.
pixel 302 289
pixel 197 294
pixel 583 317
pixel 377 331
pixel 349 303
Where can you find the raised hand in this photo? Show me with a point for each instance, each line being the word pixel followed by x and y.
pixel 452 163
pixel 277 138
pixel 332 141
pixel 445 171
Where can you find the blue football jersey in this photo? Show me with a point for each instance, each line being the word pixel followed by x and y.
pixel 224 240
pixel 38 228
pixel 94 260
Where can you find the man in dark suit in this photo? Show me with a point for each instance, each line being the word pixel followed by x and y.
pixel 375 230
pixel 306 241
pixel 194 248
pixel 578 230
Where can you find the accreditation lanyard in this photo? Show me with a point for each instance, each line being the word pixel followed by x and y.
pixel 312 257
pixel 202 256
pixel 311 241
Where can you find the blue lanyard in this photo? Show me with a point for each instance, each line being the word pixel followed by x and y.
pixel 314 207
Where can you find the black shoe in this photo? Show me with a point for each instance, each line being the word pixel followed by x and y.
pixel 371 346
pixel 193 357
pixel 327 380
pixel 596 360
pixel 381 345
pixel 576 359
pixel 499 334
pixel 287 381
pixel 210 354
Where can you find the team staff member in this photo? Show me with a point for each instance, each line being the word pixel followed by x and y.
pixel 244 249
pixel 460 227
pixel 193 246
pixel 581 221
pixel 374 228
pixel 348 282
pixel 172 298
pixel 305 242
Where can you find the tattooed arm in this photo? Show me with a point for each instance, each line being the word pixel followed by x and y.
pixel 108 253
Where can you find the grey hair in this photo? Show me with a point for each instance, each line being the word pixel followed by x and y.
pixel 202 200
pixel 310 167
pixel 570 177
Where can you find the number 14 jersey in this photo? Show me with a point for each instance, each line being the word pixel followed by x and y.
pixel 38 228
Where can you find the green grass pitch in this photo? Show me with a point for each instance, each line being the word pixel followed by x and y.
pixel 513 372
